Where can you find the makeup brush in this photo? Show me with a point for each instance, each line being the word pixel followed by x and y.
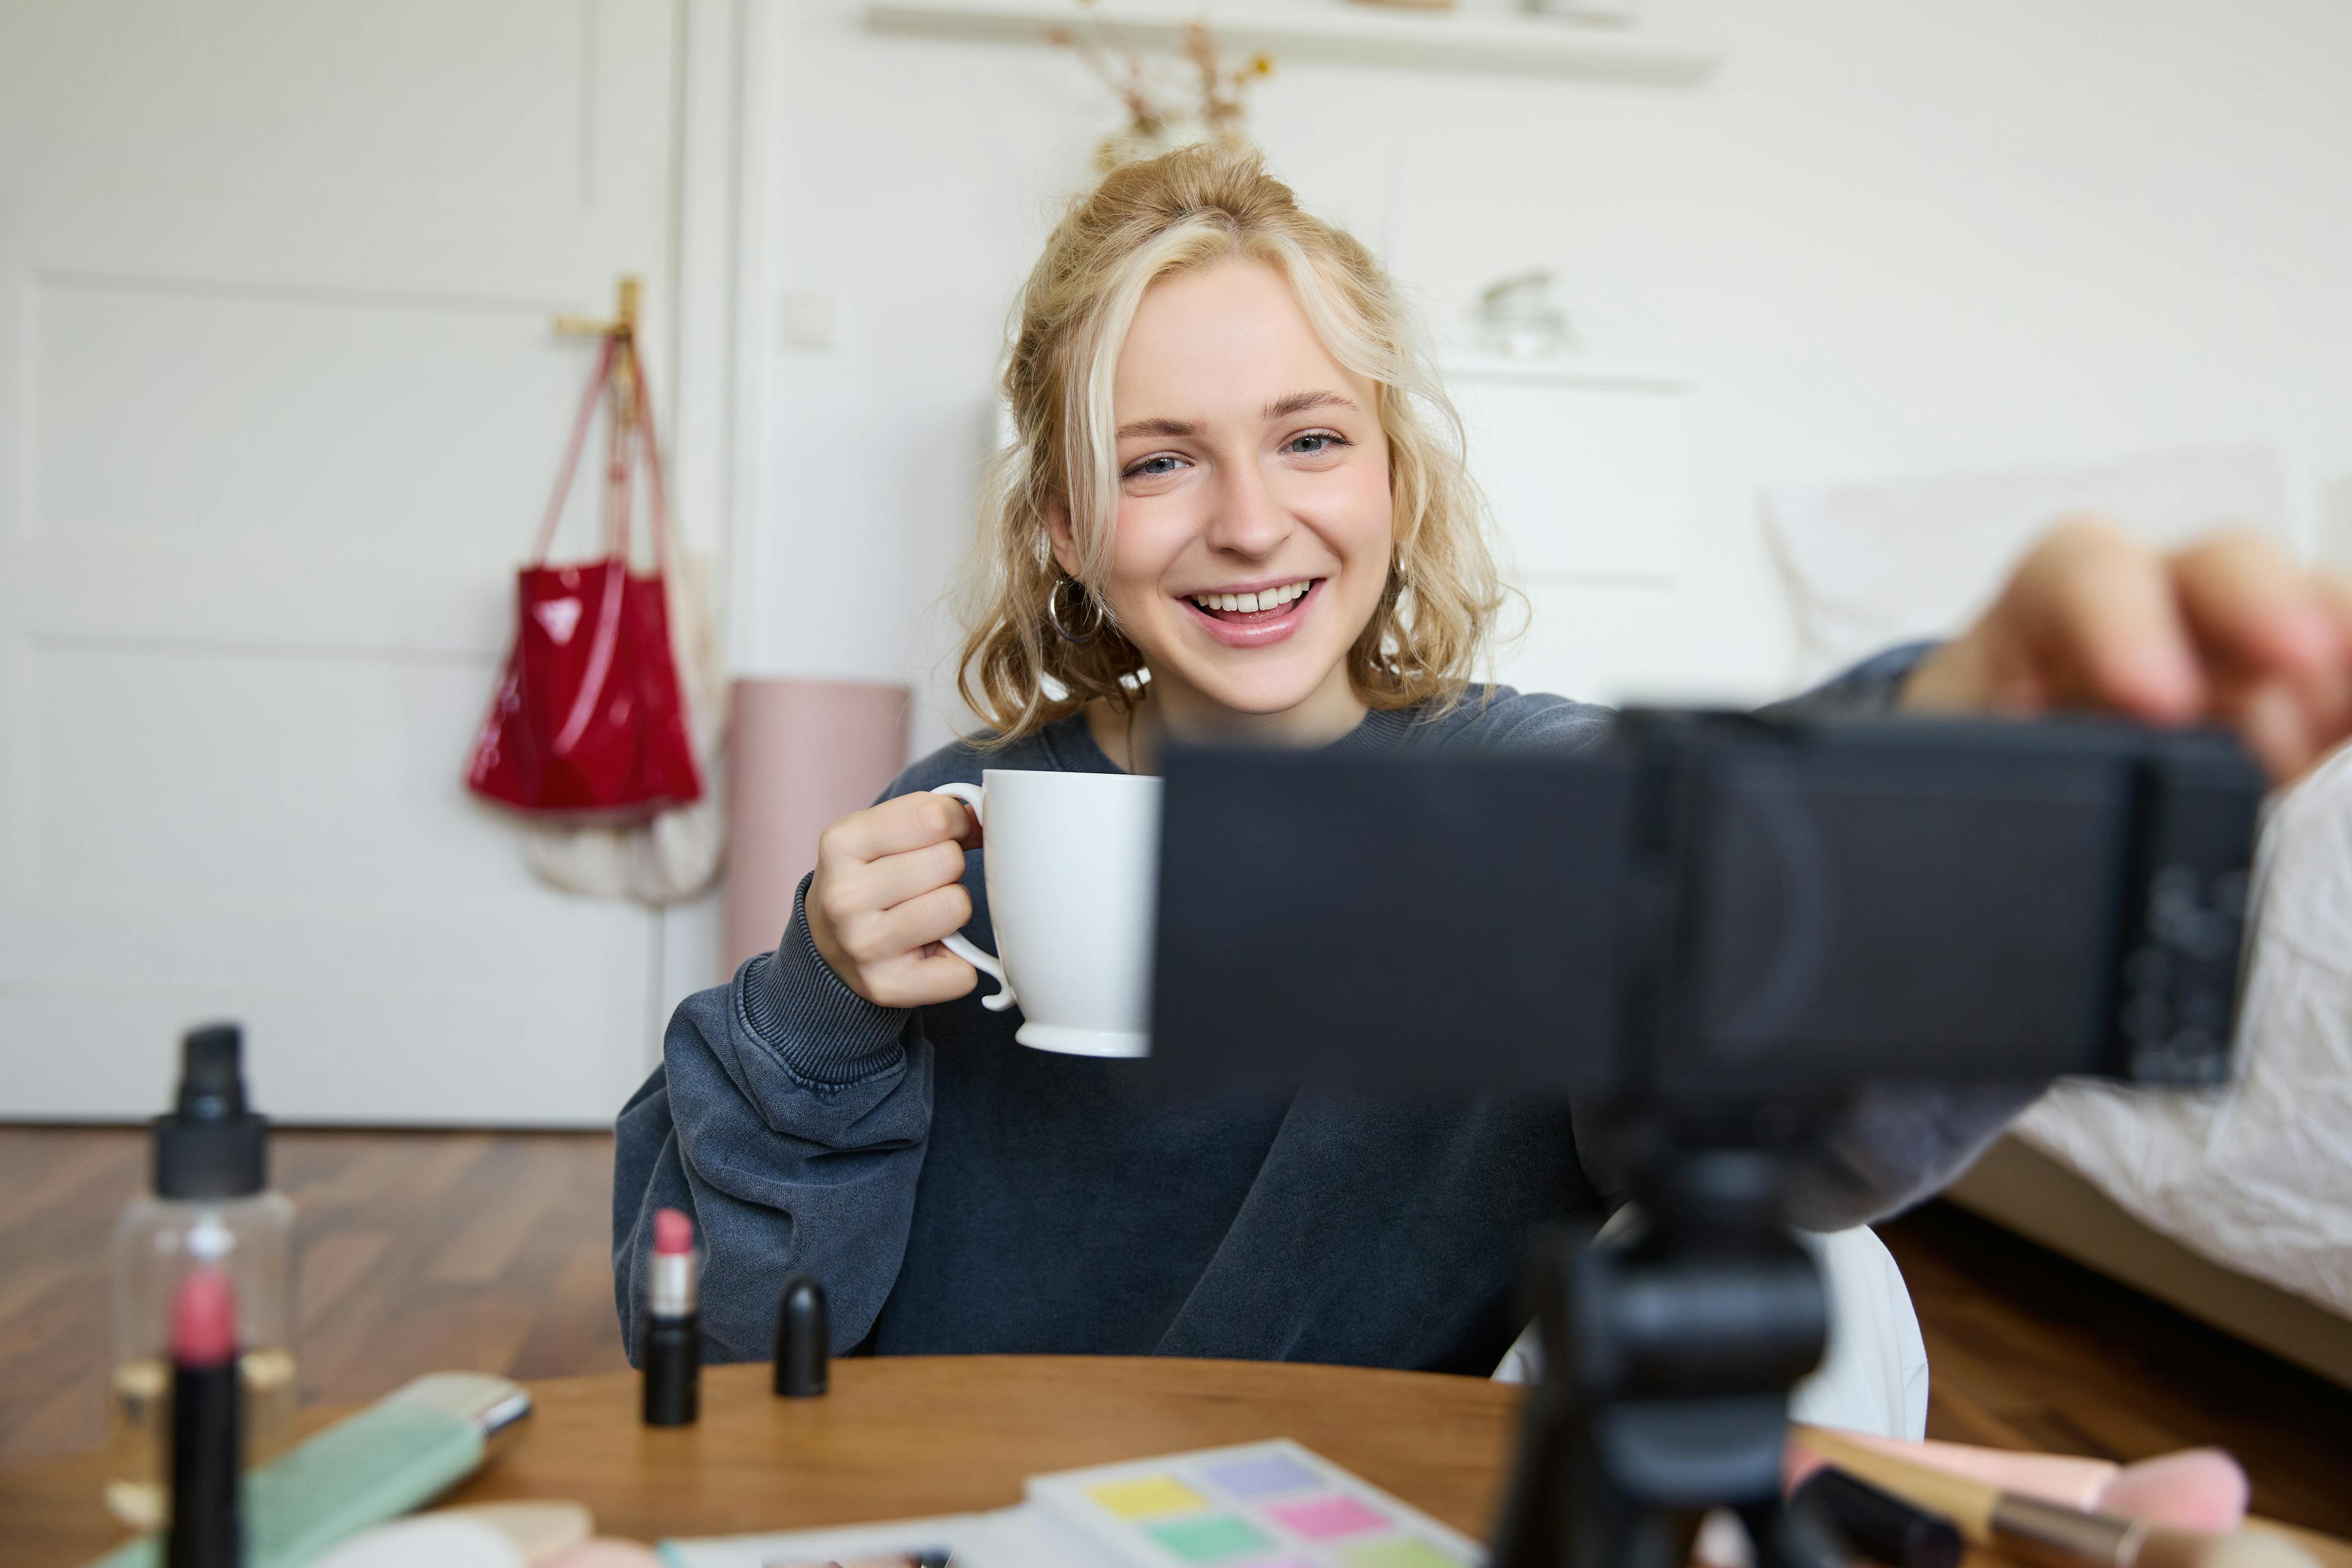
pixel 2031 1530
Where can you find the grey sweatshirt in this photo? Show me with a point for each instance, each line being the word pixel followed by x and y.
pixel 958 1192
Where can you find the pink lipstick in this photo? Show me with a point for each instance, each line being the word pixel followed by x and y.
pixel 207 1435
pixel 1245 628
pixel 673 1354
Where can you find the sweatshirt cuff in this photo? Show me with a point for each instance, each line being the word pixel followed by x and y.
pixel 799 1008
pixel 1869 689
pixel 1895 1144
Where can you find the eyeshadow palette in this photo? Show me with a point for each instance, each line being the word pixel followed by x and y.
pixel 1263 1504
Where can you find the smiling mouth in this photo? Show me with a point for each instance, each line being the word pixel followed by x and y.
pixel 1252 609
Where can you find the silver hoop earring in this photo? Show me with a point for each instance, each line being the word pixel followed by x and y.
pixel 1053 613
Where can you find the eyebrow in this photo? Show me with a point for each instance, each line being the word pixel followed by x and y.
pixel 1173 427
pixel 1300 402
pixel 1280 408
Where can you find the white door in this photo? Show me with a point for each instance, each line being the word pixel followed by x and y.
pixel 279 404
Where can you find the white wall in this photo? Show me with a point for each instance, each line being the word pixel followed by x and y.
pixel 279 403
pixel 1886 239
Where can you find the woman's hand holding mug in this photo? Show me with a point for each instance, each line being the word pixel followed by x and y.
pixel 887 895
pixel 1070 886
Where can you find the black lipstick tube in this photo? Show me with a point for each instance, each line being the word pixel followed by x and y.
pixel 1879 1525
pixel 207 1439
pixel 673 1352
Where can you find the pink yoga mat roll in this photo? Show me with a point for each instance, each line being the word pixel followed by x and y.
pixel 804 753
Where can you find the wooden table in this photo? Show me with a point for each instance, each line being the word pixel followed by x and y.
pixel 906 1436
pixel 901 1437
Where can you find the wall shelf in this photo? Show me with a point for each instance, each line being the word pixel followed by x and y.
pixel 1329 32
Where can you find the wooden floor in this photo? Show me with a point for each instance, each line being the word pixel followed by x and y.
pixel 423 1251
pixel 418 1252
pixel 2026 1349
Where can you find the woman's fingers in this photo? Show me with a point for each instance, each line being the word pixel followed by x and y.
pixel 2228 631
pixel 2276 726
pixel 2103 626
pixel 2249 608
pixel 918 978
pixel 2334 591
pixel 894 879
pixel 883 935
pixel 2331 693
pixel 2278 654
pixel 894 826
pixel 904 854
pixel 899 954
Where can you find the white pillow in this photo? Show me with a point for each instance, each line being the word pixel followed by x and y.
pixel 1871 565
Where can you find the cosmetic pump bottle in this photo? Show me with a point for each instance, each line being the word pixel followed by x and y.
pixel 211 1205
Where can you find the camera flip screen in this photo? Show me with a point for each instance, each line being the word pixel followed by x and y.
pixel 1711 906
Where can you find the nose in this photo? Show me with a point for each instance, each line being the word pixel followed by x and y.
pixel 1248 519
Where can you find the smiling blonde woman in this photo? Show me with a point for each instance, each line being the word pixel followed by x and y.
pixel 1236 507
pixel 1190 211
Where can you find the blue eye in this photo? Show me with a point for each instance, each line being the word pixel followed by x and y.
pixel 1315 443
pixel 1153 468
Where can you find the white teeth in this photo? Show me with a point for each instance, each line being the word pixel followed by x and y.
pixel 1269 599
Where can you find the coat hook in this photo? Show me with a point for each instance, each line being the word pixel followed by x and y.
pixel 622 328
pixel 624 323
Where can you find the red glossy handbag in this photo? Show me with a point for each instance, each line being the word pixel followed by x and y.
pixel 588 720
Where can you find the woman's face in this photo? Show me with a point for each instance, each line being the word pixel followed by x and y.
pixel 1253 514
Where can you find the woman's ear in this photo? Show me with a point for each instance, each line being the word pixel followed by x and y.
pixel 1063 538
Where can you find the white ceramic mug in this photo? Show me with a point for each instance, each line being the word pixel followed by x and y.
pixel 1073 867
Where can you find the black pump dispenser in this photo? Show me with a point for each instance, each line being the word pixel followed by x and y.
pixel 212 1145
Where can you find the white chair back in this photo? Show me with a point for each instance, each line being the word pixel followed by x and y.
pixel 1874 1376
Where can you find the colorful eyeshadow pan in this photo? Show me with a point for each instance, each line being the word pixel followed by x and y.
pixel 1271 1504
pixel 1398 1551
pixel 1327 1518
pixel 1147 1497
pixel 1218 1538
pixel 1262 1474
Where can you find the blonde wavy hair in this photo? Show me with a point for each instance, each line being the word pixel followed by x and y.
pixel 1019 669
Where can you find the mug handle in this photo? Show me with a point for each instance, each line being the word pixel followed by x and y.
pixel 973 796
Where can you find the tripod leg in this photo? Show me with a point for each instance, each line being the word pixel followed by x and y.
pixel 1604 1528
pixel 1531 1532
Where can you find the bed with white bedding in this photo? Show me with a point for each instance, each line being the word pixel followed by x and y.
pixel 2236 1207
